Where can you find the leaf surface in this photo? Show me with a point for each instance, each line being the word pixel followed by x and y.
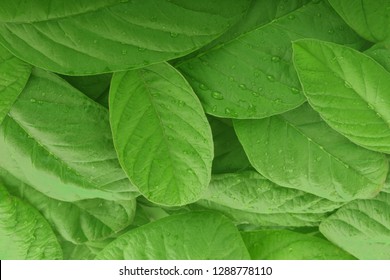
pixel 299 150
pixel 289 245
pixel 362 228
pixel 24 233
pixel 58 141
pixel 161 134
pixel 14 74
pixel 121 36
pixel 193 236
pixel 351 93
pixel 252 75
pixel 370 19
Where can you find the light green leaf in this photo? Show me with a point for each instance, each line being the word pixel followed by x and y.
pixel 192 236
pixel 362 228
pixel 24 233
pixel 252 75
pixel 241 217
pixel 289 245
pixel 161 134
pixel 40 10
pixel 229 156
pixel 351 93
pixel 381 53
pixel 370 19
pixel 86 220
pixel 58 141
pixel 14 74
pixel 249 191
pixel 299 150
pixel 121 36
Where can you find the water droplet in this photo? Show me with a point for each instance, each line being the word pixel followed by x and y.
pixel 203 87
pixel 231 78
pixel 242 86
pixel 347 84
pixel 291 17
pixel 278 100
pixel 331 31
pixel 181 103
pixel 275 58
pixel 189 170
pixel 271 78
pixel 95 41
pixel 319 15
pixel 318 158
pixel 141 49
pixel 230 112
pixel 124 52
pixel 32 100
pixel 255 93
pixel 174 34
pixel 294 90
pixel 214 109
pixel 217 95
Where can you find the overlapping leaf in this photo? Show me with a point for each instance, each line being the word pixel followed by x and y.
pixel 299 150
pixel 116 36
pixel 161 134
pixel 24 233
pixel 362 228
pixel 58 141
pixel 252 75
pixel 204 236
pixel 14 74
pixel 351 94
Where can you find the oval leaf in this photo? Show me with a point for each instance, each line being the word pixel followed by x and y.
pixel 24 233
pixel 58 141
pixel 206 236
pixel 13 78
pixel 252 75
pixel 362 228
pixel 124 35
pixel 161 134
pixel 351 93
pixel 299 150
pixel 289 245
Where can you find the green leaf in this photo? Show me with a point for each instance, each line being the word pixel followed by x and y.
pixel 24 233
pixel 14 74
pixel 119 36
pixel 381 53
pixel 370 19
pixel 58 141
pixel 204 236
pixel 299 150
pixel 229 156
pixel 41 10
pixel 86 220
pixel 351 93
pixel 362 228
pixel 249 191
pixel 241 217
pixel 161 134
pixel 289 245
pixel 252 75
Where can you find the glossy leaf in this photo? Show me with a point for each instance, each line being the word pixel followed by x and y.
pixel 58 141
pixel 205 236
pixel 362 228
pixel 370 19
pixel 121 36
pixel 289 245
pixel 350 78
pixel 249 191
pixel 381 53
pixel 252 75
pixel 161 134
pixel 14 74
pixel 24 233
pixel 299 150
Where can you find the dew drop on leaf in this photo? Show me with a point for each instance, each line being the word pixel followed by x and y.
pixel 291 17
pixel 242 86
pixel 271 78
pixel 217 95
pixel 275 59
pixel 203 87
pixel 173 34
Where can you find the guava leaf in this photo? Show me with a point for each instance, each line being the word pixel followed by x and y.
pixel 362 228
pixel 252 75
pixel 299 150
pixel 194 236
pixel 89 39
pixel 161 134
pixel 58 141
pixel 351 93
pixel 24 233
pixel 289 245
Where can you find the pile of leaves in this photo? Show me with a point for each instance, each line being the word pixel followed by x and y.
pixel 181 129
